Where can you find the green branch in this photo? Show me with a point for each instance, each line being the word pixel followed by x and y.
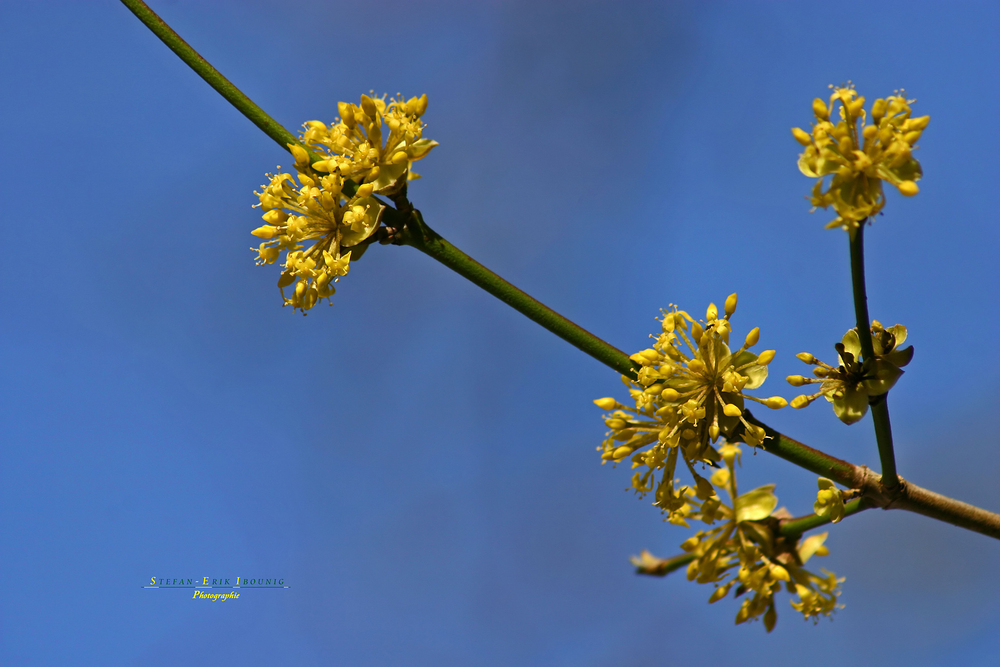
pixel 879 405
pixel 212 76
pixel 417 234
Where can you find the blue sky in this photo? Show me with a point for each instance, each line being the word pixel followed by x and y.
pixel 418 461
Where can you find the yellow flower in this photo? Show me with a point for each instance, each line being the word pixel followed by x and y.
pixel 690 391
pixel 372 142
pixel 850 385
pixel 314 210
pixel 746 554
pixel 829 500
pixel 858 156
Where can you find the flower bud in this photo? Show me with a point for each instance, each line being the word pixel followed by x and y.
pixel 622 452
pixel 908 188
pixel 801 136
pixel 368 106
pixel 878 110
pixel 365 190
pixel 766 357
pixel 731 410
pixel 299 153
pixel 266 232
pixel 797 380
pixel 670 394
pixel 820 110
pixel 775 402
pixel 731 304
pixel 346 114
pixel 712 313
pixel 606 403
pixel 753 337
pixel 806 357
pixel 802 401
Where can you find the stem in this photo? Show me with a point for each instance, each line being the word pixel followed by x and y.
pixel 668 565
pixel 804 456
pixel 212 76
pixel 433 244
pixel 879 406
pixel 797 526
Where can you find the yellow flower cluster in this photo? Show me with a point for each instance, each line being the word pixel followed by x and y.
pixel 689 392
pixel 829 500
pixel 746 553
pixel 367 152
pixel 850 384
pixel 860 156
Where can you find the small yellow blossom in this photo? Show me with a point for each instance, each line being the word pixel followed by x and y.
pixel 858 156
pixel 370 148
pixel 747 555
pixel 315 209
pixel 829 500
pixel 690 391
pixel 850 384
pixel 372 142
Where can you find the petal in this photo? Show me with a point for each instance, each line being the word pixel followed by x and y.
pixel 810 546
pixel 852 343
pixel 886 375
pixel 852 406
pixel 756 505
pixel 900 357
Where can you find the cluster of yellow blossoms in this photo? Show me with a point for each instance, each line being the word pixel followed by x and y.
pixel 684 400
pixel 368 151
pixel 850 384
pixel 746 553
pixel 860 156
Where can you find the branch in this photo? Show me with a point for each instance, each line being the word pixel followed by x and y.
pixel 878 404
pixel 417 234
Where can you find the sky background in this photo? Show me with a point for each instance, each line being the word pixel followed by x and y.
pixel 418 461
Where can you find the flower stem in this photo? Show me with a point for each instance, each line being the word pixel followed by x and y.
pixel 878 404
pixel 799 525
pixel 669 565
pixel 426 240
pixel 212 76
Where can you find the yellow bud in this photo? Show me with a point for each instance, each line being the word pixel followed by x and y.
pixel 854 108
pixel 912 137
pixel 753 337
pixel 713 431
pixel 712 313
pixel 690 544
pixel 368 106
pixel 346 113
pixel 801 136
pixel 778 572
pixel 822 551
pixel 797 380
pixel 845 145
pixel 299 153
pixel 300 289
pixel 606 403
pixel 919 123
pixel 622 452
pixel 275 216
pixel 820 110
pixel 266 232
pixel 775 402
pixel 325 166
pixel 765 357
pixel 878 110
pixel 908 188
pixel 806 357
pixel 696 332
pixel 421 105
pixel 615 423
pixel 731 410
pixel 801 401
pixel 869 131
pixel 669 394
pixel 731 304
pixel 607 456
pixel 399 157
pixel 365 190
